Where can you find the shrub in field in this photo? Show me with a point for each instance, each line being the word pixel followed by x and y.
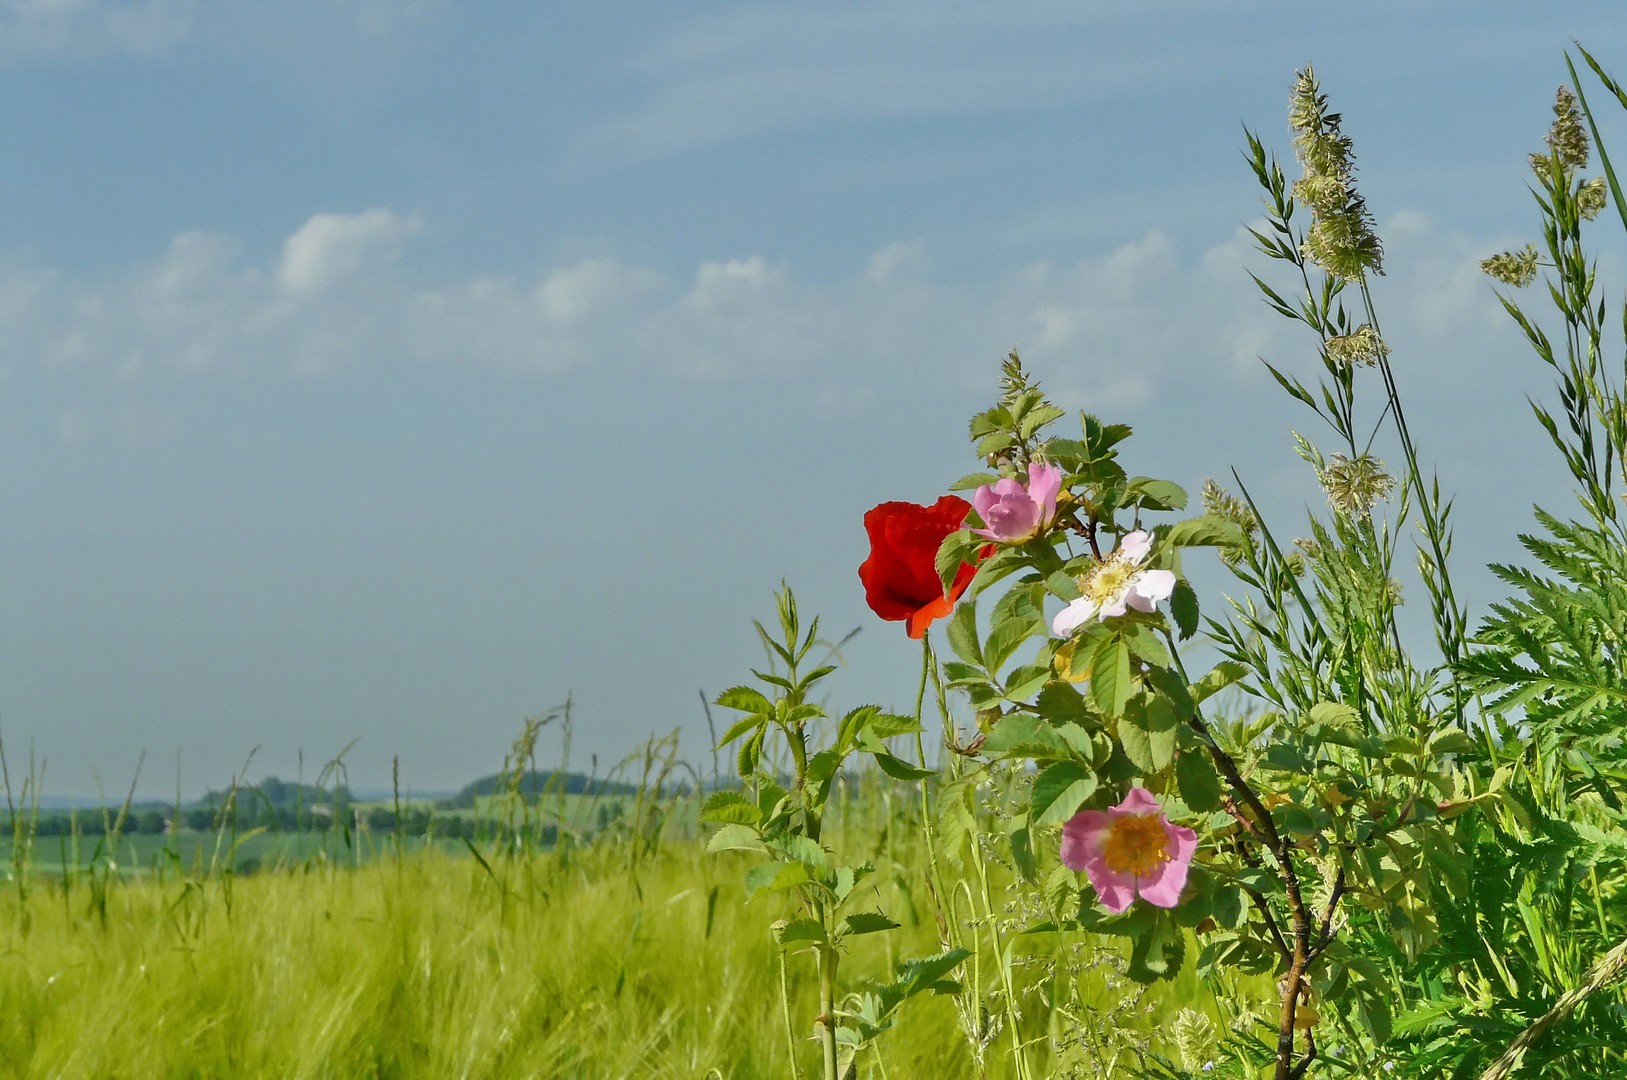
pixel 1423 851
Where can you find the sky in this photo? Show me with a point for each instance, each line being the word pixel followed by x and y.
pixel 390 370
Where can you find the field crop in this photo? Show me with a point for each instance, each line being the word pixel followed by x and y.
pixel 635 956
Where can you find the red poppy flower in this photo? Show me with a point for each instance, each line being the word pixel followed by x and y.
pixel 901 575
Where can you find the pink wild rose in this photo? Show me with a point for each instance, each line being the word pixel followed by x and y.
pixel 1014 513
pixel 1117 585
pixel 1130 850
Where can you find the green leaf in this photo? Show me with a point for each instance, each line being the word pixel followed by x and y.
pixel 974 480
pixel 1004 637
pixel 1022 849
pixel 1063 585
pixel 1146 645
pixel 1206 530
pixel 745 699
pixel 775 876
pixel 1038 418
pixel 1059 791
pixel 956 549
pixel 1333 714
pixel 890 725
pixel 1147 733
pixel 1219 677
pixel 1026 681
pixel 800 930
pixel 1025 735
pixel 735 838
pixel 741 727
pixel 1183 605
pixel 963 633
pixel 750 751
pixel 1110 680
pixel 1062 704
pixel 867 922
pixel 730 806
pixel 1197 781
pixel 898 768
pixel 1157 494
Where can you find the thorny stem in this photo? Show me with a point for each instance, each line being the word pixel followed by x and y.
pixel 1299 958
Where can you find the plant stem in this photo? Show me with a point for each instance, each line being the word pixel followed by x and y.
pixel 827 1000
pixel 785 1012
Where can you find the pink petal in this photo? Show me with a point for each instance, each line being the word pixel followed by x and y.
pixel 1014 518
pixel 982 499
pixel 1134 546
pixel 1082 837
pixel 1044 483
pixel 1162 888
pixel 1138 801
pixel 1114 890
pixel 1072 617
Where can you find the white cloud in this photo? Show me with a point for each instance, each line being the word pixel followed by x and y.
pixel 1117 329
pixel 329 248
pixel 32 30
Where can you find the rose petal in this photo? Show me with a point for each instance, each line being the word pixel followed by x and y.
pixel 1044 484
pixel 1070 618
pixel 1138 801
pixel 1133 546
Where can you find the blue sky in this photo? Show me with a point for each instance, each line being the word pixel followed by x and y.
pixel 389 369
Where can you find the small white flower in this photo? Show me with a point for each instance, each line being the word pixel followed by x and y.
pixel 1116 585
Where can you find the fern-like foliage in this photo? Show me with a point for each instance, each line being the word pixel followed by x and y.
pixel 1558 647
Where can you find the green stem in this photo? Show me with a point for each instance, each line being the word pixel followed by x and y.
pixel 827 999
pixel 785 1012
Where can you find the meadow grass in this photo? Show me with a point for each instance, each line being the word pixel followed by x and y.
pixel 636 956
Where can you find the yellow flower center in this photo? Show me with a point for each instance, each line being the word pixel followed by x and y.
pixel 1109 579
pixel 1136 844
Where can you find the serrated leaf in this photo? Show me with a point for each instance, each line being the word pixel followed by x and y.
pixel 775 876
pixel 1110 681
pixel 898 768
pixel 1062 704
pixel 1147 733
pixel 1197 781
pixel 1063 586
pixel 975 480
pixel 963 633
pixel 1219 677
pixel 955 550
pixel 1333 714
pixel 1146 645
pixel 1157 494
pixel 867 922
pixel 745 699
pixel 750 751
pixel 1026 681
pixel 736 838
pixel 1206 530
pixel 1183 607
pixel 1004 638
pixel 798 931
pixel 741 727
pixel 1024 735
pixel 1059 790
pixel 729 806
pixel 889 725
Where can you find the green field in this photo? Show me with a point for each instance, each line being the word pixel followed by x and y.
pixel 636 956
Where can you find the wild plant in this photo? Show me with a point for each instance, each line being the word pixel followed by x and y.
pixel 782 825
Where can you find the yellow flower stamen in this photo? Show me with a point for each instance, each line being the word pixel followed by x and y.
pixel 1107 581
pixel 1136 844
